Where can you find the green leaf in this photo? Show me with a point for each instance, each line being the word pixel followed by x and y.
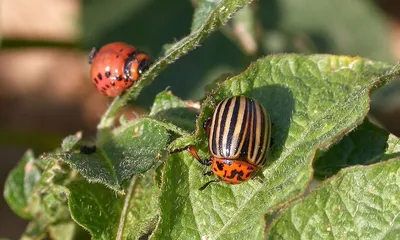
pixel 19 186
pixel 49 195
pixel 132 149
pixel 202 12
pixel 357 203
pixel 67 231
pixel 98 209
pixel 36 229
pixel 218 16
pixel 54 204
pixel 71 141
pixel 165 101
pixel 170 108
pixel 392 150
pixel 364 145
pixel 107 215
pixel 312 101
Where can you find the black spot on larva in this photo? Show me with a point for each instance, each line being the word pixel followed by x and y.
pixel 108 74
pixel 119 77
pixel 112 83
pixel 100 76
pixel 240 165
pixel 215 169
pixel 95 80
pixel 88 149
pixel 247 175
pixel 121 50
pixel 108 86
pixel 250 168
pixel 104 89
pixel 220 166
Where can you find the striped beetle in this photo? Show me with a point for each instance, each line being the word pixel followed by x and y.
pixel 239 134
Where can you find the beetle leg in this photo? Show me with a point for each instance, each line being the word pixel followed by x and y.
pixel 193 152
pixel 208 183
pixel 206 162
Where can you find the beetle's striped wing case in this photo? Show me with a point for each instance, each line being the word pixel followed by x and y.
pixel 240 130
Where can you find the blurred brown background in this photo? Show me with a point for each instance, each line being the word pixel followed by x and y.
pixel 46 94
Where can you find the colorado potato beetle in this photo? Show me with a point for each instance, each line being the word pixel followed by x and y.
pixel 116 66
pixel 239 135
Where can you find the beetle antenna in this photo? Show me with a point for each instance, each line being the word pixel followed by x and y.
pixel 193 152
pixel 208 183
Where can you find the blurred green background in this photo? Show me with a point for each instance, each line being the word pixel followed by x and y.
pixel 44 71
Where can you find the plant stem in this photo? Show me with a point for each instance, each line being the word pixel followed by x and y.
pixel 107 120
pixel 127 201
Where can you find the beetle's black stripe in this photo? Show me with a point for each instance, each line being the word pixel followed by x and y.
pixel 219 124
pixel 231 147
pixel 260 131
pixel 265 131
pixel 214 128
pixel 225 149
pixel 225 109
pixel 213 142
pixel 252 132
pixel 239 134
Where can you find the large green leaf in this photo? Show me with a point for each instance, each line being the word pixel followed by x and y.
pixel 67 231
pixel 131 149
pixel 313 101
pixel 169 108
pixel 19 186
pixel 103 213
pixel 50 201
pixel 357 203
pixel 107 215
pixel 362 146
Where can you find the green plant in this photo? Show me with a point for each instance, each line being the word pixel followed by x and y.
pixel 131 186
